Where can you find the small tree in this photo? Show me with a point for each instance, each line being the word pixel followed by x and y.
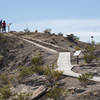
pixel 89 54
pixel 72 38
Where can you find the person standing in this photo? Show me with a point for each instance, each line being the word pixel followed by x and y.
pixel 4 26
pixel 0 25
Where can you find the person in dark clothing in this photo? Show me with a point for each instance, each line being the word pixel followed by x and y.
pixel 4 26
pixel 0 25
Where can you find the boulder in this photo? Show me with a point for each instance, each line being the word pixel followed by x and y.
pixel 32 92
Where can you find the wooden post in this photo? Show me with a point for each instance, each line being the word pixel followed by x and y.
pixel 77 60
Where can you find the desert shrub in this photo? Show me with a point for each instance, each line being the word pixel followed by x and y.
pixel 48 30
pixel 56 93
pixel 88 58
pixel 77 48
pixel 38 69
pixel 89 54
pixel 52 75
pixel 85 78
pixel 5 92
pixel 36 60
pixel 4 79
pixel 21 96
pixel 26 30
pixel 93 43
pixel 60 34
pixel 90 49
pixel 36 31
pixel 72 38
pixel 25 71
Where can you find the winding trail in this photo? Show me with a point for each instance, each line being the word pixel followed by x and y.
pixel 63 62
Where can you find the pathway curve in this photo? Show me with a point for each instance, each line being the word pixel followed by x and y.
pixel 63 62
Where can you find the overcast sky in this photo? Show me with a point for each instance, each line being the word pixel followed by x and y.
pixel 81 17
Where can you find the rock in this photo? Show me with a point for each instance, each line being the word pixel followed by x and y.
pixel 35 80
pixel 78 90
pixel 34 92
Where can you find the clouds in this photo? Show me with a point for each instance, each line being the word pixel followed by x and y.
pixel 80 27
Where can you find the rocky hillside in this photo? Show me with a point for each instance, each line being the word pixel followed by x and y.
pixel 25 78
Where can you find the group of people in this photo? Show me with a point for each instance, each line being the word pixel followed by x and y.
pixel 2 26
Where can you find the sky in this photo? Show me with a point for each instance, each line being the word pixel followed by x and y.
pixel 80 17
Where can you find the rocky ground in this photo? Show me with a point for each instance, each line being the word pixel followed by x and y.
pixel 88 68
pixel 16 52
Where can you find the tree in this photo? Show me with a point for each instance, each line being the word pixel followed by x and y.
pixel 72 38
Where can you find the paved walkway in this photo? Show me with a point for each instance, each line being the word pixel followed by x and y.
pixel 46 48
pixel 63 62
pixel 65 66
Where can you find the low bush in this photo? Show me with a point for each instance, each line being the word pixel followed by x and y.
pixel 36 60
pixel 48 30
pixel 77 48
pixel 26 30
pixel 85 79
pixel 5 92
pixel 89 54
pixel 56 93
pixel 38 69
pixel 88 58
pixel 52 75
pixel 25 71
pixel 4 80
pixel 60 34
pixel 21 96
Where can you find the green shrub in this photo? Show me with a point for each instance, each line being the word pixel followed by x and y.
pixel 56 93
pixel 38 69
pixel 77 48
pixel 89 54
pixel 22 96
pixel 25 71
pixel 85 78
pixel 72 38
pixel 26 30
pixel 52 75
pixel 5 92
pixel 48 30
pixel 4 79
pixel 60 34
pixel 88 58
pixel 36 60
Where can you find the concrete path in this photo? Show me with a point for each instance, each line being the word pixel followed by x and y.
pixel 64 61
pixel 46 48
pixel 64 65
